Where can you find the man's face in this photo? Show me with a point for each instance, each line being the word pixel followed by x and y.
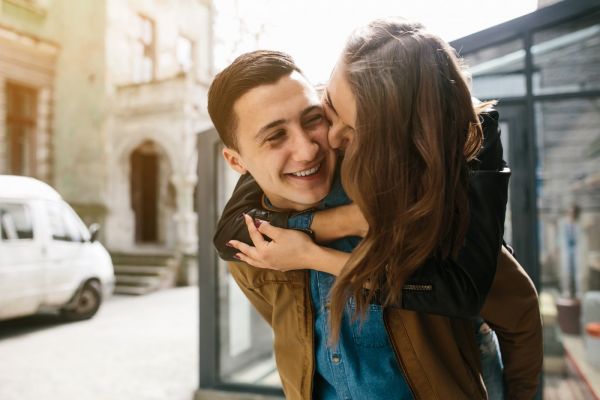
pixel 282 141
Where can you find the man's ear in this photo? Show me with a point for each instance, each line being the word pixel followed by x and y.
pixel 234 160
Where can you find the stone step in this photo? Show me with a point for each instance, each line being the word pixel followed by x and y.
pixel 152 270
pixel 141 273
pixel 138 280
pixel 133 290
pixel 140 259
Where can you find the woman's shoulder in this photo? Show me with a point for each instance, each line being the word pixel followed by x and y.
pixel 491 155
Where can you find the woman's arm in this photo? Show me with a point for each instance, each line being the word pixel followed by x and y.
pixel 459 287
pixel 338 222
pixel 286 250
pixel 325 226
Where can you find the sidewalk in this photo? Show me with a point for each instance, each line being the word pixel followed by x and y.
pixel 135 348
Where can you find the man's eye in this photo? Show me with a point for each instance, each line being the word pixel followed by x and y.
pixel 314 120
pixel 276 136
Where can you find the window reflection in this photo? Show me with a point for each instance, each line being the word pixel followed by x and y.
pixel 498 71
pixel 565 57
pixel 569 193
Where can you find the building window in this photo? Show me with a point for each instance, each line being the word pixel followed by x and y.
pixel 565 56
pixel 185 54
pixel 143 50
pixel 20 127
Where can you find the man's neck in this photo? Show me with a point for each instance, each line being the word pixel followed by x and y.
pixel 279 204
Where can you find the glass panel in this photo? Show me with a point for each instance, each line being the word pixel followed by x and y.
pixel 569 229
pixel 566 57
pixel 498 71
pixel 245 339
pixel 505 138
pixel 569 191
pixel 15 222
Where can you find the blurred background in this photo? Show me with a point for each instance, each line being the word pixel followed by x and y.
pixel 105 101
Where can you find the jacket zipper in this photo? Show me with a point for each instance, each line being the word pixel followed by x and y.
pixel 417 287
pixel 399 359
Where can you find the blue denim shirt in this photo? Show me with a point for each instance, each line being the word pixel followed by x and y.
pixel 363 364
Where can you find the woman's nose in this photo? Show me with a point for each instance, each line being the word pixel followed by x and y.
pixel 337 137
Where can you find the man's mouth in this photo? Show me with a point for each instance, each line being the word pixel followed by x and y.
pixel 307 172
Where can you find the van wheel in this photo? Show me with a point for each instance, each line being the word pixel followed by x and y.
pixel 85 305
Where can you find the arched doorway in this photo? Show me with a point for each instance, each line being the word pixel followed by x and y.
pixel 145 187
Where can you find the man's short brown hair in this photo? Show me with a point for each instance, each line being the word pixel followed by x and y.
pixel 256 68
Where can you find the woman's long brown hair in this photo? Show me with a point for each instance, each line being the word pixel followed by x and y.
pixel 416 130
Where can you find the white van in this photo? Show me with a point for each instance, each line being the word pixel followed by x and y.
pixel 49 260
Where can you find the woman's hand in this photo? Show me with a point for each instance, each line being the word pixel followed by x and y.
pixel 283 253
pixel 288 250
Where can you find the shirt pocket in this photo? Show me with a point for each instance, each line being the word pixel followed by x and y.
pixel 370 331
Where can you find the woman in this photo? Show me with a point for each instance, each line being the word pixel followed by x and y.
pixel 401 109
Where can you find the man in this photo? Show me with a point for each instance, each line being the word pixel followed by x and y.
pixel 273 127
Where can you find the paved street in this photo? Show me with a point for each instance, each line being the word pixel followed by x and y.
pixel 135 348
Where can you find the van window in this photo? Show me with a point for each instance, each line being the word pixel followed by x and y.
pixel 62 226
pixel 75 223
pixel 15 222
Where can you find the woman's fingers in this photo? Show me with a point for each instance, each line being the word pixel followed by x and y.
pixel 246 259
pixel 255 235
pixel 257 257
pixel 243 248
pixel 269 230
pixel 279 254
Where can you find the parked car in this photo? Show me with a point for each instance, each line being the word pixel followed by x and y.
pixel 49 259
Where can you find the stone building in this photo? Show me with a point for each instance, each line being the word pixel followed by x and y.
pixel 102 99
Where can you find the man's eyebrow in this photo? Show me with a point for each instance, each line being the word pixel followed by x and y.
pixel 329 103
pixel 310 109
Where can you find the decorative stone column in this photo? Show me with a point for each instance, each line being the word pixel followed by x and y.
pixel 185 223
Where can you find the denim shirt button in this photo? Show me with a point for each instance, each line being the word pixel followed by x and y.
pixel 336 358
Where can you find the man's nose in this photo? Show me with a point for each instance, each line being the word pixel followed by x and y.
pixel 305 147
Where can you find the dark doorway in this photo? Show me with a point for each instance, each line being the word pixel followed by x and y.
pixel 144 191
pixel 20 123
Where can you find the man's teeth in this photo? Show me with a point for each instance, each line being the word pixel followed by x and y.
pixel 307 172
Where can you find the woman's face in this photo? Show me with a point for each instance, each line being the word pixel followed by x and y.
pixel 340 108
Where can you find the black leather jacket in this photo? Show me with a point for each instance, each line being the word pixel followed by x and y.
pixel 452 287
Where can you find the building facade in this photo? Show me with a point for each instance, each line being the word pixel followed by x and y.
pixel 103 100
